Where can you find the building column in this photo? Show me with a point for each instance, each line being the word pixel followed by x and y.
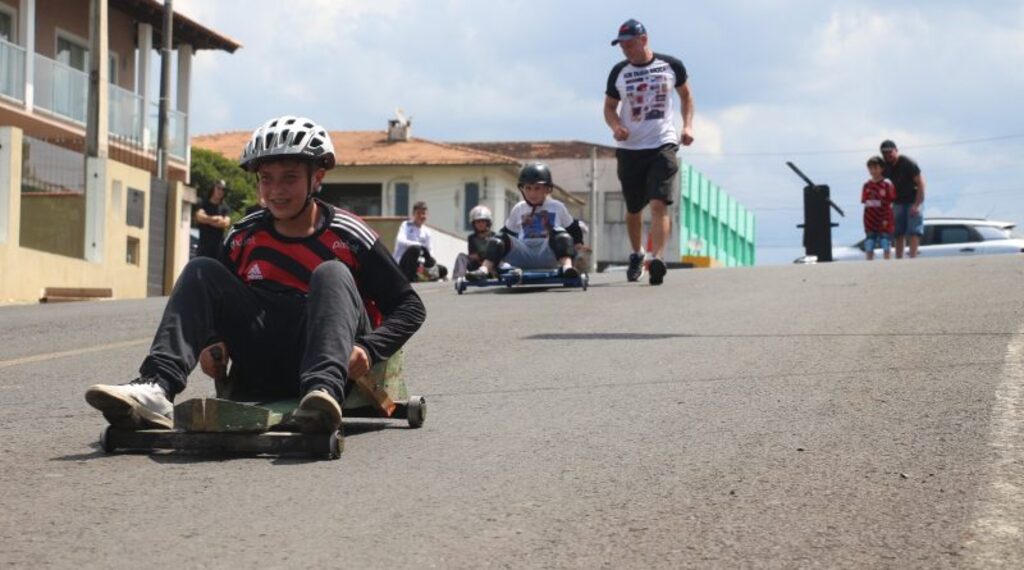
pixel 27 33
pixel 10 186
pixel 184 95
pixel 144 59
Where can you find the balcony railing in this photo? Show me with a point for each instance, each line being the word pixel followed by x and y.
pixel 12 71
pixel 177 137
pixel 63 91
pixel 124 112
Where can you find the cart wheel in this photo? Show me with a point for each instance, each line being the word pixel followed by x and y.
pixel 417 411
pixel 584 281
pixel 106 443
pixel 335 445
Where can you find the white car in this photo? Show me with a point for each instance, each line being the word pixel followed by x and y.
pixel 945 237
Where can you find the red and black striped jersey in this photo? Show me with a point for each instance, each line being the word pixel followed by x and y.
pixel 261 257
pixel 877 198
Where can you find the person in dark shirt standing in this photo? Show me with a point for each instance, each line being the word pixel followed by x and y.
pixel 212 217
pixel 906 177
pixel 303 297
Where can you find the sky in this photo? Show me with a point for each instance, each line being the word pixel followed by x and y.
pixel 820 83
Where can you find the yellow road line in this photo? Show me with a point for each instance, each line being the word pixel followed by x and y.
pixel 65 353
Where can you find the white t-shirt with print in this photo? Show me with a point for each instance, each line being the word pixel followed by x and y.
pixel 646 100
pixel 535 223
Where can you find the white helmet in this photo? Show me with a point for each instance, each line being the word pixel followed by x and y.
pixel 289 137
pixel 480 213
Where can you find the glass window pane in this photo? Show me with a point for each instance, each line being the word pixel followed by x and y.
pixel 401 198
pixel 471 201
pixel 6 27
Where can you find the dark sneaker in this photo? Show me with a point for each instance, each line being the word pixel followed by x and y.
pixel 479 274
pixel 140 404
pixel 636 267
pixel 569 272
pixel 318 412
pixel 657 271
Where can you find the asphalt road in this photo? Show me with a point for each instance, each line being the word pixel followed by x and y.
pixel 831 416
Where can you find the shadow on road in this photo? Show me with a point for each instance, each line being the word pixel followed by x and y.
pixel 171 457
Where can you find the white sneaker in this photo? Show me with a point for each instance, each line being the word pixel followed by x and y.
pixel 137 405
pixel 318 412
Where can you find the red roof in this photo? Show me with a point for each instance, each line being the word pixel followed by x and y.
pixel 370 148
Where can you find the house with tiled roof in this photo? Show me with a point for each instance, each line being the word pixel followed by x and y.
pixel 383 173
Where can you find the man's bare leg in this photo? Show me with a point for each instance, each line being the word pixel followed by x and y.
pixel 899 246
pixel 661 227
pixel 915 241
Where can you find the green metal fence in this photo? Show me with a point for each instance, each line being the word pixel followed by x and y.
pixel 713 223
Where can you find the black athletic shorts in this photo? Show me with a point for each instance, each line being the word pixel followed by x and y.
pixel 647 174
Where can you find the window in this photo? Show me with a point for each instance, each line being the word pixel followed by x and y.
pixel 953 234
pixel 360 199
pixel 136 208
pixel 132 256
pixel 72 53
pixel 471 201
pixel 401 198
pixel 6 26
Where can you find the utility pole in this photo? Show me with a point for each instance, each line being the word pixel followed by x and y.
pixel 165 91
pixel 96 124
pixel 594 224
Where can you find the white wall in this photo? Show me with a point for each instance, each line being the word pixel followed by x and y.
pixel 446 247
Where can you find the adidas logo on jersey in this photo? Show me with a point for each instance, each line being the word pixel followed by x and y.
pixel 254 273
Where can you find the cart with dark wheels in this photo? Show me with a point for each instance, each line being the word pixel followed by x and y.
pixel 227 426
pixel 538 278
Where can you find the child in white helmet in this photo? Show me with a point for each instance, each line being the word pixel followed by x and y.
pixel 481 220
pixel 303 297
pixel 539 233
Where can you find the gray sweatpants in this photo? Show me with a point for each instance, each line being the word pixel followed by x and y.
pixel 281 345
pixel 531 254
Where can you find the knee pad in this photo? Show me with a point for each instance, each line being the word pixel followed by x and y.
pixel 497 247
pixel 561 243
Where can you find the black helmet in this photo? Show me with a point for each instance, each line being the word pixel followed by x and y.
pixel 535 173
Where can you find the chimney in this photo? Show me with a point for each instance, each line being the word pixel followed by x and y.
pixel 399 129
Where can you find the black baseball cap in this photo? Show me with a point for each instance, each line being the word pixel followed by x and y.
pixel 887 145
pixel 630 29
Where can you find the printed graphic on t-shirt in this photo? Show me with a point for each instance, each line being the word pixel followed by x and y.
pixel 647 92
pixel 538 224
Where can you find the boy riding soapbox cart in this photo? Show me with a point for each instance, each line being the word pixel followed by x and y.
pixel 225 425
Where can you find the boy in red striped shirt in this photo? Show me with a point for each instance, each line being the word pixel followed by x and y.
pixel 877 196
